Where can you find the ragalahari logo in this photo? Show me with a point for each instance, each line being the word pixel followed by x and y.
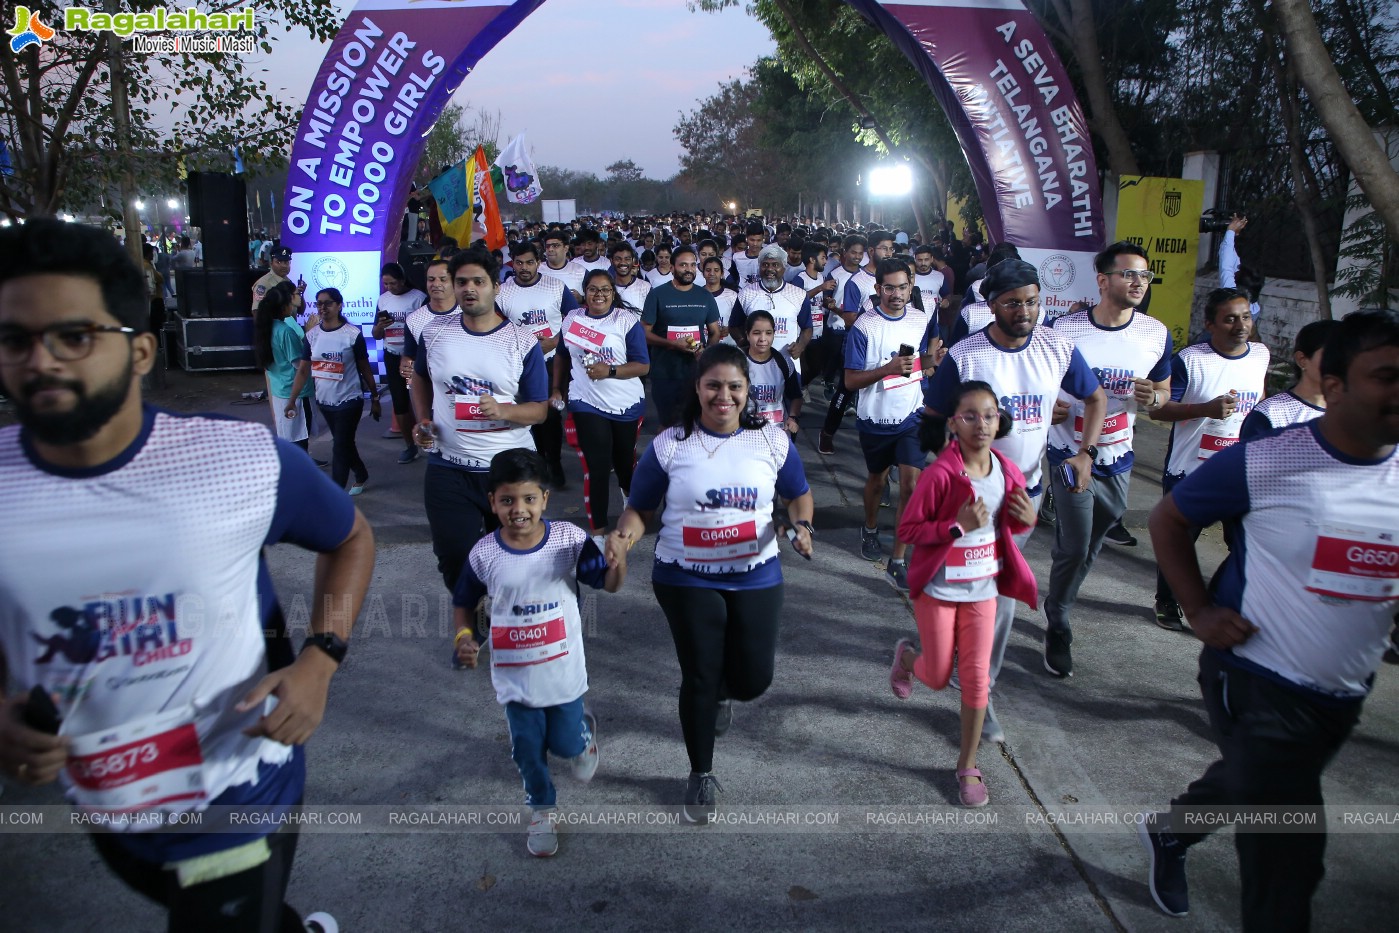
pixel 28 30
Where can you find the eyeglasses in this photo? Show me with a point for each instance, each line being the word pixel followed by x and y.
pixel 970 418
pixel 67 343
pixel 1031 305
pixel 328 303
pixel 1143 276
pixel 593 290
pixel 893 289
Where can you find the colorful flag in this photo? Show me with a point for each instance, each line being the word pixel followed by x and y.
pixel 488 211
pixel 521 180
pixel 451 194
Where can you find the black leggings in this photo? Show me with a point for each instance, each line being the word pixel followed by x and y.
pixel 398 394
pixel 604 446
pixel 726 642
pixel 343 421
pixel 250 901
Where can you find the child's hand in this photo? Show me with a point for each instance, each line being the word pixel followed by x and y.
pixel 972 515
pixel 617 545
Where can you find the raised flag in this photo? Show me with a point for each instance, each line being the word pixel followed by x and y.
pixel 489 211
pixel 451 195
pixel 521 180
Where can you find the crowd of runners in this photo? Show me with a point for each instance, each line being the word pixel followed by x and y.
pixel 977 418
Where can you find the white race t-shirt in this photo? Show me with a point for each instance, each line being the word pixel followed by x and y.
pixel 1199 374
pixel 398 307
pixel 969 575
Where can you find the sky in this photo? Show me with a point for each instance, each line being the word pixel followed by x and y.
pixel 590 82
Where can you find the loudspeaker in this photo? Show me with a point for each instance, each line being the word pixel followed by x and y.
pixel 219 293
pixel 218 206
pixel 413 256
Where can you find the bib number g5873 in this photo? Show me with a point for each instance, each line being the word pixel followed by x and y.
pixel 147 764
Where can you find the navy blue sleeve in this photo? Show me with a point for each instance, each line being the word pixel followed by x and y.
pixel 469 588
pixel 804 316
pixel 1079 381
pixel 711 311
pixel 649 483
pixel 939 391
pixel 792 385
pixel 568 303
pixel 534 377
pixel 1217 490
pixel 1256 424
pixel 410 343
pixel 592 566
pixel 637 351
pixel 305 349
pixel 312 512
pixel 957 331
pixel 791 479
pixel 649 309
pixel 420 365
pixel 852 297
pixel 360 349
pixel 737 317
pixel 1180 379
pixel 1162 370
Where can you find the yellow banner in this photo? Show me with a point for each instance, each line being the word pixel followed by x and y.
pixel 1162 215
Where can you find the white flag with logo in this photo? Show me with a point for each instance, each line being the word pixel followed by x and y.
pixel 521 180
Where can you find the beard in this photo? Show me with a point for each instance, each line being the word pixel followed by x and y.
pixel 83 420
pixel 772 284
pixel 684 278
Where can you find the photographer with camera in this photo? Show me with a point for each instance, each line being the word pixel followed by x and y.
pixel 1232 273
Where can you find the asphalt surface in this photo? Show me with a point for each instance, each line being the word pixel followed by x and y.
pixel 405 730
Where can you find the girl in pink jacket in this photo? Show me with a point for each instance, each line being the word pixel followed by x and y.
pixel 960 520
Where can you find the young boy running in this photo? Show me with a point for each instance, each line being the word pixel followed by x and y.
pixel 528 568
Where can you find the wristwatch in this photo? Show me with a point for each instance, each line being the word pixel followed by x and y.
pixel 1090 450
pixel 956 531
pixel 810 529
pixel 328 642
pixel 612 372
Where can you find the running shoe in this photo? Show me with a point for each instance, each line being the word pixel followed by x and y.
pixel 1058 659
pixel 826 444
pixel 896 575
pixel 900 680
pixel 870 548
pixel 1169 888
pixel 701 797
pixel 724 717
pixel 1169 617
pixel 1047 509
pixel 409 455
pixel 1118 534
pixel 321 922
pixel 543 838
pixel 358 487
pixel 585 765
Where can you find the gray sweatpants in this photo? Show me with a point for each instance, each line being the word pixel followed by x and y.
pixel 1005 610
pixel 1081 520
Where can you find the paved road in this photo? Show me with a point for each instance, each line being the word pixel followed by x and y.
pixel 404 729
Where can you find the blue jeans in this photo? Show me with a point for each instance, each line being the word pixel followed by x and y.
pixel 536 730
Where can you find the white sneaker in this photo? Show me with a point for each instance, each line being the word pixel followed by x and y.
pixel 321 922
pixel 585 765
pixel 543 838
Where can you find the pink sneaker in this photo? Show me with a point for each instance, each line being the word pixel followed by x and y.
pixel 900 680
pixel 973 795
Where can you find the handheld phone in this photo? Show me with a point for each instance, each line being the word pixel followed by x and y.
pixel 905 350
pixel 1066 473
pixel 792 539
pixel 40 713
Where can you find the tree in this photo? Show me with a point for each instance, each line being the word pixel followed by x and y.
pixel 624 171
pixel 723 150
pixel 58 118
pixel 446 144
pixel 1337 110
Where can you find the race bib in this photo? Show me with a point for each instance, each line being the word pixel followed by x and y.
pixel 537 634
pixel 774 413
pixel 689 334
pixel 971 562
pixel 542 331
pixel 913 378
pixel 469 418
pixel 153 763
pixel 583 337
pixel 1211 444
pixel 1355 563
pixel 719 537
pixel 394 332
pixel 333 370
pixel 818 321
pixel 1117 429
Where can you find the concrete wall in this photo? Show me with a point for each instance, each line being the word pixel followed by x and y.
pixel 1286 307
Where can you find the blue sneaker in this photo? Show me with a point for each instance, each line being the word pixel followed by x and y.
pixel 409 455
pixel 1169 888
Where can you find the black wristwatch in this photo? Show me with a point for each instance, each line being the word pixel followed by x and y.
pixel 328 642
pixel 612 372
pixel 810 528
pixel 1090 450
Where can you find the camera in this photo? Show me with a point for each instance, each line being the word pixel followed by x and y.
pixel 1216 220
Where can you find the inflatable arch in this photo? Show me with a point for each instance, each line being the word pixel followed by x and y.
pixel 395 65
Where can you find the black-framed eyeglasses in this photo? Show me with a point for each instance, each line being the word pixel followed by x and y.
pixel 65 342
pixel 594 290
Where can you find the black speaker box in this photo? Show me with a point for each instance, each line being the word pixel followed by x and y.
pixel 413 256
pixel 218 206
pixel 215 292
